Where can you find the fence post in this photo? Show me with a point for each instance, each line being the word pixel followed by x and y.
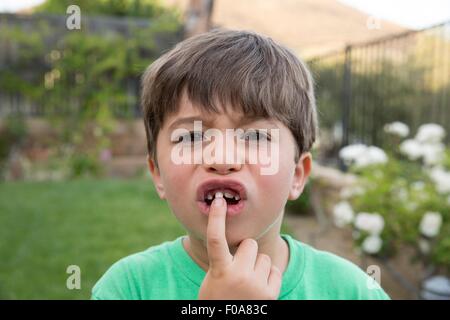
pixel 346 95
pixel 346 99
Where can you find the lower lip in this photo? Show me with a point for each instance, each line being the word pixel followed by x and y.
pixel 232 209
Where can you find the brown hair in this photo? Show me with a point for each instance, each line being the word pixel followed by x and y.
pixel 248 71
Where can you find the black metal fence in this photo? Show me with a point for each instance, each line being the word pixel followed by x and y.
pixel 405 77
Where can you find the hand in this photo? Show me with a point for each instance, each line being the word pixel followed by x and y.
pixel 247 275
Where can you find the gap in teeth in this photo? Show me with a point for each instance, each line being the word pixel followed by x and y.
pixel 226 193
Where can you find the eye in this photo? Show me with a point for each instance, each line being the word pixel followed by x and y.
pixel 256 135
pixel 191 137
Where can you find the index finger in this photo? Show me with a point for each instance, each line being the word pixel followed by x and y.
pixel 218 252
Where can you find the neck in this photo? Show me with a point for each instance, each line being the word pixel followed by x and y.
pixel 270 243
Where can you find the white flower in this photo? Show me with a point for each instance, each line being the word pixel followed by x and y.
pixel 427 145
pixel 372 223
pixel 343 214
pixel 361 155
pixel 430 224
pixel 397 128
pixel 430 133
pixel 349 153
pixel 376 155
pixel 441 179
pixel 372 244
pixel 411 148
pixel 433 153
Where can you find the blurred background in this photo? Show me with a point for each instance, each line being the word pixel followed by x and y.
pixel 74 184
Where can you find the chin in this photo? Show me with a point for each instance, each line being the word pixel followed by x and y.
pixel 234 239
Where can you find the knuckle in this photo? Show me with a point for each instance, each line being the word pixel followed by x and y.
pixel 214 240
pixel 243 276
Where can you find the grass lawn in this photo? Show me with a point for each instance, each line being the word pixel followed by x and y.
pixel 47 226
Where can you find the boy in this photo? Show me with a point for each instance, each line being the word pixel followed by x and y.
pixel 232 210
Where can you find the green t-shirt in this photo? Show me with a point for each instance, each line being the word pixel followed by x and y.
pixel 167 271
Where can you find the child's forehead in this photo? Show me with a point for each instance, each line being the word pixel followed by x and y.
pixel 188 114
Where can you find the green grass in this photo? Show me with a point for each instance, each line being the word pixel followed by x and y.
pixel 47 226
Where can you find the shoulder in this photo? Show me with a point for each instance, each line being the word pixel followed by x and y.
pixel 123 280
pixel 337 277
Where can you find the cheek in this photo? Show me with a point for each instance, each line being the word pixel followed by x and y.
pixel 274 189
pixel 179 196
pixel 174 178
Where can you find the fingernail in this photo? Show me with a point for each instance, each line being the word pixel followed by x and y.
pixel 218 201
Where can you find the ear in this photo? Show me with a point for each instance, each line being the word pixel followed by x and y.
pixel 301 174
pixel 156 177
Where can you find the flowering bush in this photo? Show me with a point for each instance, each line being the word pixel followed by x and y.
pixel 402 195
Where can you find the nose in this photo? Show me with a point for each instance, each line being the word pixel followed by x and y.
pixel 220 163
pixel 223 168
pixel 225 156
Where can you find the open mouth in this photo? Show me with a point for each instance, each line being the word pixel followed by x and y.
pixel 233 192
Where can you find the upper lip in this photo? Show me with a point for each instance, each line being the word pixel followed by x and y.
pixel 213 184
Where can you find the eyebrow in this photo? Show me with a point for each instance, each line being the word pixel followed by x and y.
pixel 186 120
pixel 243 121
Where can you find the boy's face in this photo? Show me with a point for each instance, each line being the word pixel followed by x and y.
pixel 263 196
